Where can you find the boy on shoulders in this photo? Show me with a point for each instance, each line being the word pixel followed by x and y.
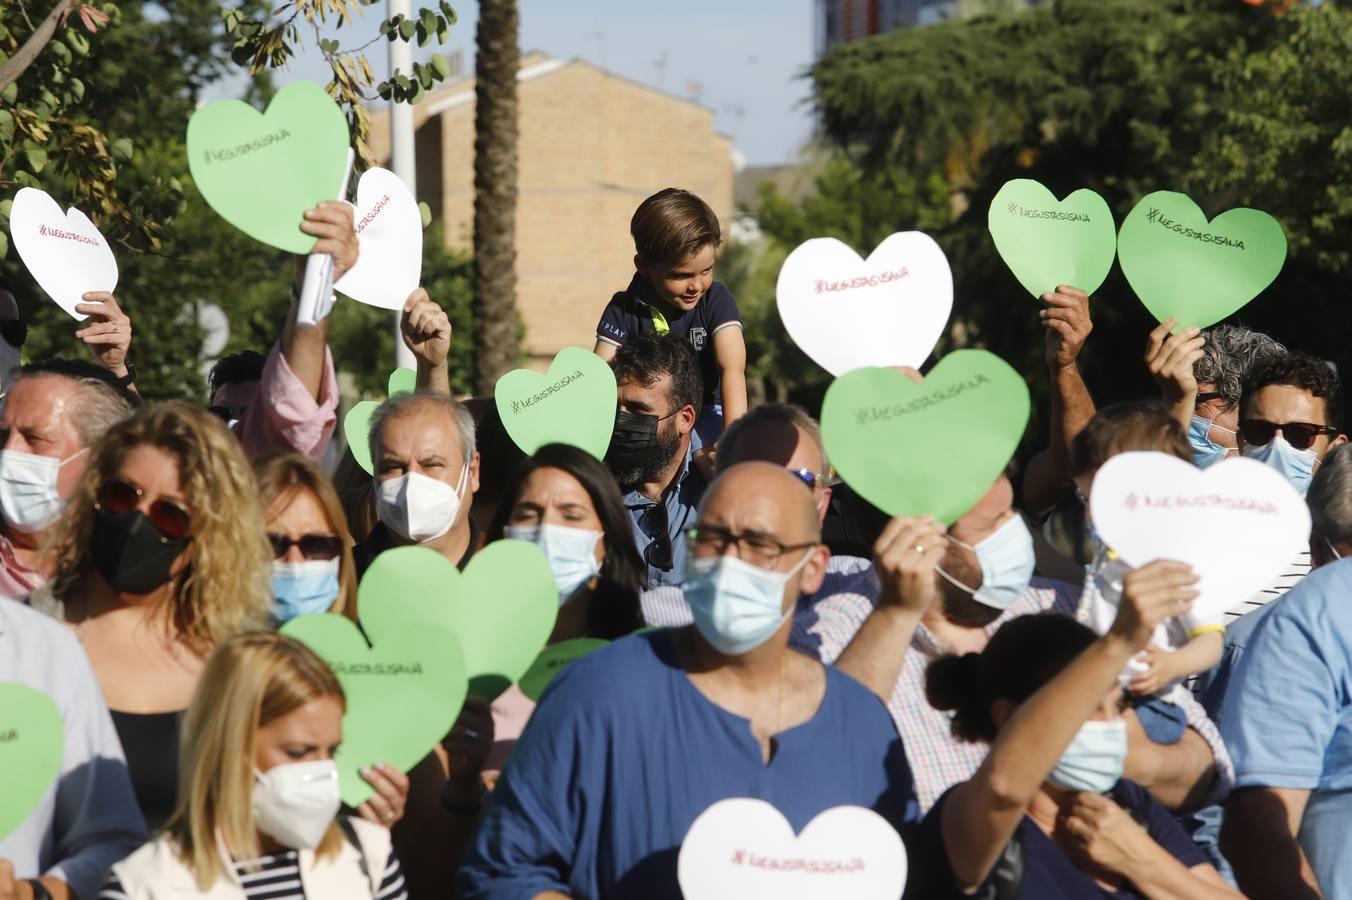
pixel 676 240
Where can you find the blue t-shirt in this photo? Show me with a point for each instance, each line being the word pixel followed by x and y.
pixel 624 752
pixel 1287 714
pixel 630 313
pixel 1048 874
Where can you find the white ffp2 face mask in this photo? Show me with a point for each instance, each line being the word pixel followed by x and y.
pixel 420 508
pixel 29 499
pixel 571 553
pixel 295 803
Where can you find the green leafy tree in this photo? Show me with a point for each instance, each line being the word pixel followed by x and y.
pixel 1226 102
pixel 267 41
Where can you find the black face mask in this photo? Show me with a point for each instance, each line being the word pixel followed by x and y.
pixel 633 444
pixel 131 553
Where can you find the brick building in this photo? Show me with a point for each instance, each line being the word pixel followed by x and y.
pixel 592 146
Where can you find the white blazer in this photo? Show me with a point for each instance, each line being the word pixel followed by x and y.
pixel 157 872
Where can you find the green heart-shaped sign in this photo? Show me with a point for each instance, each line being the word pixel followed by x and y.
pixel 930 448
pixel 552 660
pixel 357 422
pixel 1181 266
pixel 31 745
pixel 502 608
pixel 573 403
pixel 1047 243
pixel 262 171
pixel 403 693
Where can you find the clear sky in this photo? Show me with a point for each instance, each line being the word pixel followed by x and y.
pixel 742 58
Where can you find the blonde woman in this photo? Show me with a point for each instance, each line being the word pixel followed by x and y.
pixel 258 811
pixel 312 567
pixel 159 557
pixel 313 572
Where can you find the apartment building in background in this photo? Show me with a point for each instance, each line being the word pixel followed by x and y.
pixel 592 145
pixel 842 21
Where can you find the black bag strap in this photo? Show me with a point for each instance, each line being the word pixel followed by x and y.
pixel 350 834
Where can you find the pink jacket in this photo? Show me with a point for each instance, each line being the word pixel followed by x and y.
pixel 284 417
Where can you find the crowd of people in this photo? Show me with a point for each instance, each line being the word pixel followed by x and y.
pixel 1035 717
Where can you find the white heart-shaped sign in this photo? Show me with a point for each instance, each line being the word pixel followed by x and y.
pixel 64 252
pixel 847 313
pixel 1238 523
pixel 389 232
pixel 742 848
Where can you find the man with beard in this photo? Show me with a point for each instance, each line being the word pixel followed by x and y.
pixel 659 398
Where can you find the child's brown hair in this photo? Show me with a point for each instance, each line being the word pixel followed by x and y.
pixel 672 225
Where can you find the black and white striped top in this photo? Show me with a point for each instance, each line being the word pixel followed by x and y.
pixel 277 877
pixel 1295 570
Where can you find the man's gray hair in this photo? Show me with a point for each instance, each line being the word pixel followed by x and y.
pixel 771 414
pixel 95 407
pixel 403 403
pixel 1330 496
pixel 1228 353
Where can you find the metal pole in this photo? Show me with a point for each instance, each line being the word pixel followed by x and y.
pixel 402 160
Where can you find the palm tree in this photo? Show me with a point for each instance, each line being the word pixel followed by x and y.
pixel 495 161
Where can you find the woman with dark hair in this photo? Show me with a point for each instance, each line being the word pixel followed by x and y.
pixel 565 501
pixel 1048 815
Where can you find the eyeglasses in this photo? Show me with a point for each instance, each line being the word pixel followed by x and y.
pixel 1208 396
pixel 809 478
pixel 312 546
pixel 117 497
pixel 227 413
pixel 1298 434
pixel 753 547
pixel 658 553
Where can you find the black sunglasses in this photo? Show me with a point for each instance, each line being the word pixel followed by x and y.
pixel 1298 434
pixel 227 413
pixel 312 546
pixel 117 497
pixel 658 553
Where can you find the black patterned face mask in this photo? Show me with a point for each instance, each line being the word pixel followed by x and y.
pixel 131 553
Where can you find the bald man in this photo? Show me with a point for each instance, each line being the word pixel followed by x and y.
pixel 630 744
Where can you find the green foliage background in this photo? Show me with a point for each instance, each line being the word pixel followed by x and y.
pixel 1231 104
pixel 142 77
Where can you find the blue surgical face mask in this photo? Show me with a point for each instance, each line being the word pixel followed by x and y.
pixel 1296 466
pixel 302 588
pixel 571 553
pixel 1093 762
pixel 1007 562
pixel 1205 451
pixel 736 606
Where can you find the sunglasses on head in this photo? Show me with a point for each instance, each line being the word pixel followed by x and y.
pixel 1299 435
pixel 312 546
pixel 117 497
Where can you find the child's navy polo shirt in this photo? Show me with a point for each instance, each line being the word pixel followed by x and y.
pixel 628 314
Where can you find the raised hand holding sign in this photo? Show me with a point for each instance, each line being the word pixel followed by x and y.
pixel 66 255
pixel 1047 243
pixel 262 171
pixel 389 230
pixel 1237 523
pixel 932 448
pixel 1183 267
